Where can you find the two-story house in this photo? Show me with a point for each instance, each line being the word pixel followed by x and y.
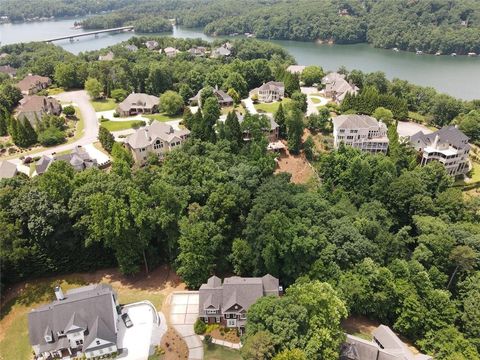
pixel 360 131
pixel 223 98
pixel 158 138
pixel 34 107
pixel 336 87
pixel 32 84
pixel 227 303
pixel 81 321
pixel 449 146
pixel 138 103
pixel 269 92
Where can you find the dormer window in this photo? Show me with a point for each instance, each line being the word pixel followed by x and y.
pixel 48 338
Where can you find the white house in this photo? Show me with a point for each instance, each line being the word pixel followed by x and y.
pixel 449 146
pixel 270 91
pixel 360 131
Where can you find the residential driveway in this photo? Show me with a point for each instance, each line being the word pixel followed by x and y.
pixel 137 340
pixel 409 128
pixel 248 103
pixel 183 314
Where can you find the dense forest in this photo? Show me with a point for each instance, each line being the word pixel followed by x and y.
pixel 374 235
pixel 430 26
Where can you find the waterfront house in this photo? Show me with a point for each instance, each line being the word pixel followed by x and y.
pixel 222 97
pixel 131 47
pixel 385 345
pixel 223 51
pixel 198 51
pixel 151 44
pixel 81 321
pixel 269 92
pixel 360 131
pixel 7 69
pixel 34 108
pixel 227 303
pixel 157 138
pixel 449 146
pixel 336 87
pixel 107 57
pixel 138 103
pixel 171 52
pixel 32 84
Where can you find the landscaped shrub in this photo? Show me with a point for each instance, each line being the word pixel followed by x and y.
pixel 51 136
pixel 199 327
pixel 208 340
pixel 69 110
pixel 116 114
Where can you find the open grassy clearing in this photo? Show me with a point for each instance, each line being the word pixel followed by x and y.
pixel 315 100
pixel 104 105
pixel 55 91
pixel 270 107
pixel 20 299
pixel 216 352
pixel 120 125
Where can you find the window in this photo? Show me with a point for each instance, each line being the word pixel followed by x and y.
pixel 217 319
pixel 158 145
pixel 231 322
pixel 211 312
pixel 243 316
pixel 79 342
pixel 98 342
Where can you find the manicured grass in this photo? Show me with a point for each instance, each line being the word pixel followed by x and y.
pixel 216 352
pixel 238 108
pixel 316 100
pixel 162 117
pixel 270 107
pixel 104 105
pixel 475 171
pixel 120 125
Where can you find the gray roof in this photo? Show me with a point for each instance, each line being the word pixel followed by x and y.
pixel 108 57
pixel 354 121
pixel 446 135
pixel 335 82
pixel 242 291
pixel 42 164
pixel 221 51
pixel 7 169
pixel 332 77
pixel 30 81
pixel 221 96
pixel 34 107
pixel 131 47
pixel 90 306
pixel 156 130
pixel 78 158
pixel 139 100
pixel 7 69
pixel 272 86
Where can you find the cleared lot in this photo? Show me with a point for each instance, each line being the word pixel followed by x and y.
pixel 407 128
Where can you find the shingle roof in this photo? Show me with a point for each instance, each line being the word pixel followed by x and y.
pixel 30 81
pixel 156 130
pixel 7 169
pixel 355 121
pixel 272 85
pixel 139 99
pixel 235 290
pixel 7 69
pixel 42 164
pixel 447 134
pixel 85 305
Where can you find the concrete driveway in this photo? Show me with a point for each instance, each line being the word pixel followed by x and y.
pixel 183 314
pixel 147 330
pixel 409 128
pixel 248 103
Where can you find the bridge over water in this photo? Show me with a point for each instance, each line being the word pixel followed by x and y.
pixel 96 32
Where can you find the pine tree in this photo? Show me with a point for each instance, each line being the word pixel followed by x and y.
pixel 3 123
pixel 292 83
pixel 106 139
pixel 233 132
pixel 295 131
pixel 187 118
pixel 30 133
pixel 280 120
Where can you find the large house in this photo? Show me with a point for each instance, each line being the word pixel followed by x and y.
pixel 384 346
pixel 32 84
pixel 138 103
pixel 34 107
pixel 78 158
pixel 107 57
pixel 198 51
pixel 228 303
pixel 151 44
pixel 360 131
pixel 449 146
pixel 7 69
pixel 296 69
pixel 171 52
pixel 81 321
pixel 223 98
pixel 269 92
pixel 336 87
pixel 158 138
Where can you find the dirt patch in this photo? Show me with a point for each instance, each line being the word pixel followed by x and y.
pixel 174 346
pixel 359 325
pixel 297 165
pixel 226 334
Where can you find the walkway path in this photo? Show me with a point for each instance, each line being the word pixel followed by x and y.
pixel 248 103
pixel 224 343
pixel 183 314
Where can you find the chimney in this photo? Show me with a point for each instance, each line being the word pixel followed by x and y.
pixel 435 142
pixel 59 293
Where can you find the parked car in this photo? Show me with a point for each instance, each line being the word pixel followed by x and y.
pixel 126 320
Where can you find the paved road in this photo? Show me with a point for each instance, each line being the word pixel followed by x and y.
pixel 90 132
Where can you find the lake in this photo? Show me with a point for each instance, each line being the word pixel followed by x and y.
pixel 458 76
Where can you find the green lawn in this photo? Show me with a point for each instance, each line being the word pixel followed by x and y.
pixel 55 91
pixel 475 171
pixel 270 107
pixel 120 125
pixel 316 100
pixel 216 352
pixel 162 117
pixel 104 105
